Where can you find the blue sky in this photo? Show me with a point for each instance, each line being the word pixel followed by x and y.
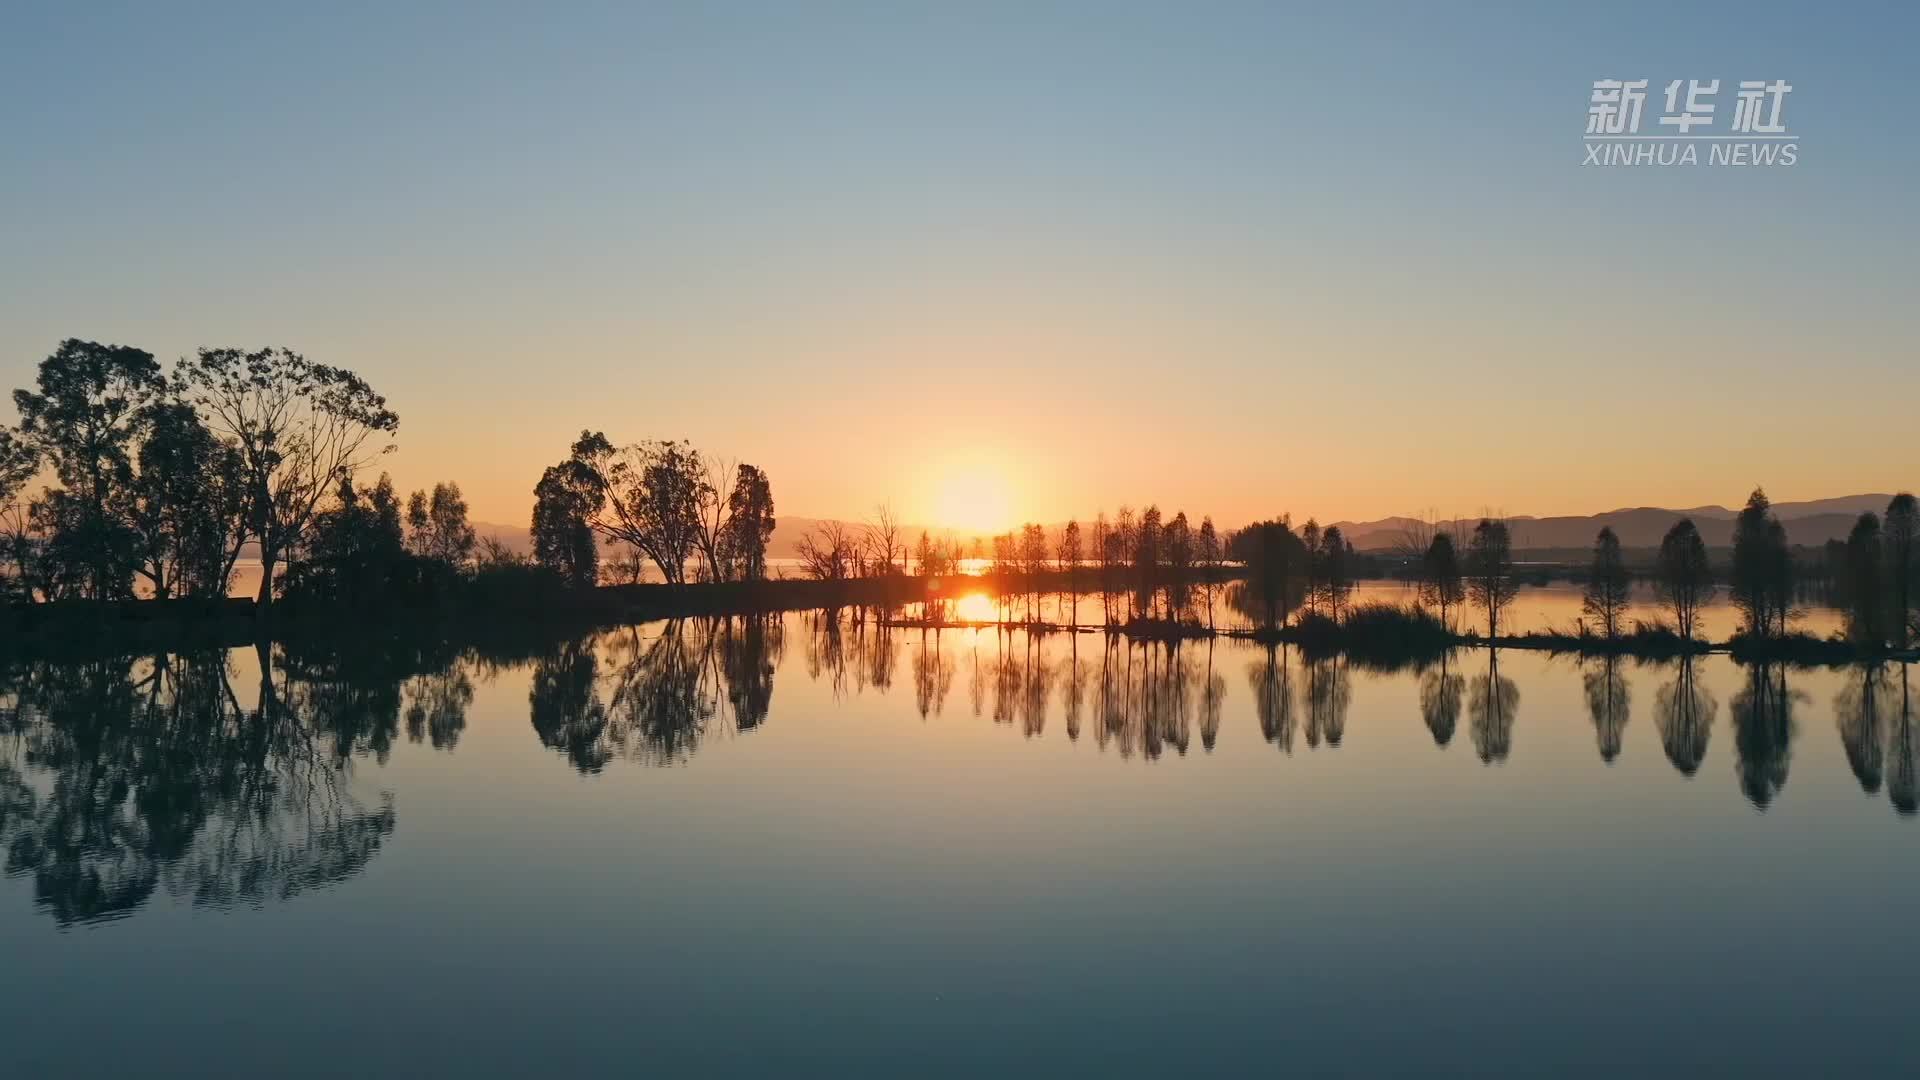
pixel 1341 260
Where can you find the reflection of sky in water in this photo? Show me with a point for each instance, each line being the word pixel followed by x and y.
pixel 687 851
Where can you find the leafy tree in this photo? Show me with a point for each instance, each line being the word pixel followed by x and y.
pixel 1686 580
pixel 1335 567
pixel 189 505
pixel 563 505
pixel 1071 553
pixel 1177 543
pixel 750 523
pixel 299 427
pixel 1762 583
pixel 1033 562
pixel 1490 571
pixel 1275 562
pixel 647 496
pixel 1865 597
pixel 18 546
pixel 1209 553
pixel 437 526
pixel 1146 561
pixel 1440 584
pixel 89 408
pixel 1902 542
pixel 1608 584
pixel 361 525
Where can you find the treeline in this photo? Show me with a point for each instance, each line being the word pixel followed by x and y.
pixel 1145 570
pixel 159 483
pixel 155 485
pixel 1875 574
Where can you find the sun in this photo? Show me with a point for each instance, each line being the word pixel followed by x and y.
pixel 972 498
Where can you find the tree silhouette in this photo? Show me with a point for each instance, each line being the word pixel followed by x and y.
pixel 1607 585
pixel 437 525
pixel 645 495
pixel 1275 562
pixel 564 502
pixel 1686 581
pixel 1866 599
pixel 1071 553
pixel 90 405
pixel 750 524
pixel 1490 571
pixel 1762 582
pixel 189 505
pixel 298 426
pixel 1334 580
pixel 884 541
pixel 1209 553
pixel 1902 543
pixel 1440 584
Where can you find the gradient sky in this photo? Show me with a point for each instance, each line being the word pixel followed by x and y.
pixel 1341 260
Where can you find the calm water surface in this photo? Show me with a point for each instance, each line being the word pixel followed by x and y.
pixel 796 847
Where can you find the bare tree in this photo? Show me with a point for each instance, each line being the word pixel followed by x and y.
pixel 885 541
pixel 713 515
pixel 827 553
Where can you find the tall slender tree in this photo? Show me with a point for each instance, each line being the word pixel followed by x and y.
pixel 1686 579
pixel 1490 571
pixel 1762 582
pixel 1866 599
pixel 1440 584
pixel 1901 538
pixel 1608 584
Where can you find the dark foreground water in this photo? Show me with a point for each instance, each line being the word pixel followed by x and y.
pixel 769 849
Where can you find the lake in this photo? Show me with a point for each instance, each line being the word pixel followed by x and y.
pixel 820 847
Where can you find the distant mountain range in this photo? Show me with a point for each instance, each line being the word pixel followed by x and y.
pixel 1809 523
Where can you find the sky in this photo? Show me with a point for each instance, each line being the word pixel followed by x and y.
pixel 991 262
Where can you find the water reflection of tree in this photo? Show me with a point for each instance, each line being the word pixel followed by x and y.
pixel 1441 692
pixel 667 687
pixel 1683 711
pixel 120 778
pixel 1608 704
pixel 1326 691
pixel 1213 696
pixel 1075 690
pixel 1145 697
pixel 933 671
pixel 564 698
pixel 1491 705
pixel 1763 727
pixel 1272 696
pixel 1875 715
